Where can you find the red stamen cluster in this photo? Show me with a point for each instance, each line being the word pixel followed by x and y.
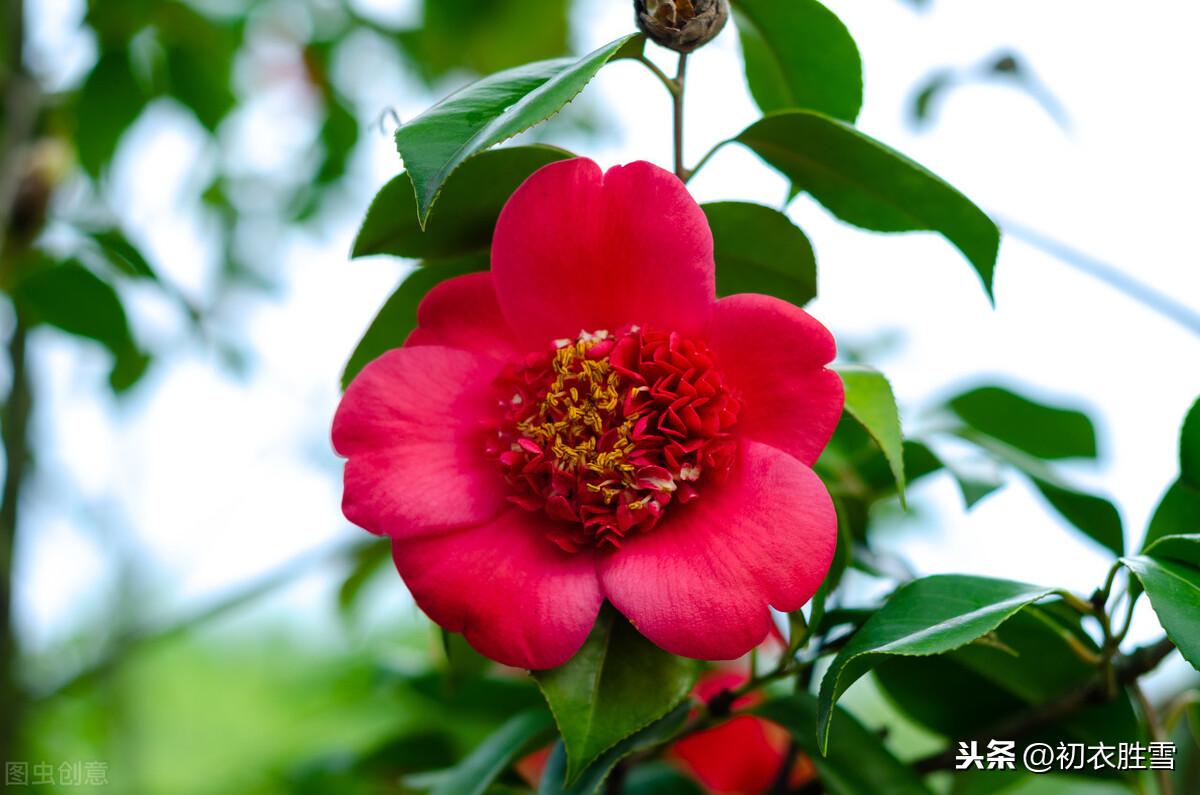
pixel 603 432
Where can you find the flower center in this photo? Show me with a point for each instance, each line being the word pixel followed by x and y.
pixel 604 431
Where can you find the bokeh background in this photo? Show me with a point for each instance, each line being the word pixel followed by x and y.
pixel 189 605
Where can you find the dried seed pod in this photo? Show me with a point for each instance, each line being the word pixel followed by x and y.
pixel 682 25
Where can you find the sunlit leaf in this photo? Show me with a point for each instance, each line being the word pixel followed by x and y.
pixel 759 250
pixel 1169 570
pixel 1041 430
pixel 617 684
pixel 798 54
pixel 932 615
pixel 869 400
pixel 865 183
pixel 488 112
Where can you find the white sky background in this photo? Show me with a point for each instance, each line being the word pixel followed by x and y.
pixel 216 479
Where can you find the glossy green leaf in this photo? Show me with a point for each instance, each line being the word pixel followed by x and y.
pixel 555 780
pixel 1094 515
pixel 759 250
pixel 1169 570
pixel 798 54
pixel 520 735
pixel 398 316
pixel 1178 513
pixel 109 102
pixel 964 692
pixel 465 216
pixel 1042 431
pixel 869 185
pixel 658 778
pixel 869 400
pixel 932 615
pixel 488 112
pixel 617 684
pixel 1189 448
pixel 857 764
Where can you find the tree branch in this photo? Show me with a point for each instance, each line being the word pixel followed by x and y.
pixel 1127 669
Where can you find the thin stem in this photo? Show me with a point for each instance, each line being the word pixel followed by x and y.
pixel 1160 302
pixel 1156 734
pixel 659 73
pixel 677 100
pixel 707 156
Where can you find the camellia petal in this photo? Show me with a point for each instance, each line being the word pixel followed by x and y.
pixel 579 249
pixel 516 597
pixel 463 313
pixel 410 428
pixel 775 354
pixel 699 584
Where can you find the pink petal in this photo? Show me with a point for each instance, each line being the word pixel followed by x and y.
pixel 516 596
pixel 699 584
pixel 774 354
pixel 580 250
pixel 411 428
pixel 463 313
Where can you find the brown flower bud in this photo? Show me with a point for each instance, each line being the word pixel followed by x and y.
pixel 682 25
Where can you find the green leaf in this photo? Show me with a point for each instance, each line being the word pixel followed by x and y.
pixel 1189 448
pixel 618 683
pixel 869 400
pixel 109 102
pixel 488 112
pixel 122 254
pixel 199 60
pixel 857 764
pixel 555 780
pixel 964 692
pixel 520 735
pixel 365 561
pixel 1043 431
pixel 1096 516
pixel 932 615
pixel 1177 514
pixel 658 778
pixel 1169 570
pixel 865 183
pixel 798 54
pixel 72 298
pixel 759 250
pixel 398 317
pixel 465 217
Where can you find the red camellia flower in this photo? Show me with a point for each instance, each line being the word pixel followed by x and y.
pixel 587 421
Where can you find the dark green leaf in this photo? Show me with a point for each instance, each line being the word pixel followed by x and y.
pixel 199 61
pixel 465 216
pixel 72 298
pixel 869 400
pixel 1189 448
pixel 110 101
pixel 799 55
pixel 658 778
pixel 365 562
pixel 759 250
pixel 966 691
pixel 488 112
pixel 556 782
pixel 1169 570
pixel 927 616
pixel 1177 514
pixel 398 317
pixel 339 134
pixel 867 184
pixel 617 684
pixel 122 254
pixel 1040 430
pixel 857 764
pixel 520 735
